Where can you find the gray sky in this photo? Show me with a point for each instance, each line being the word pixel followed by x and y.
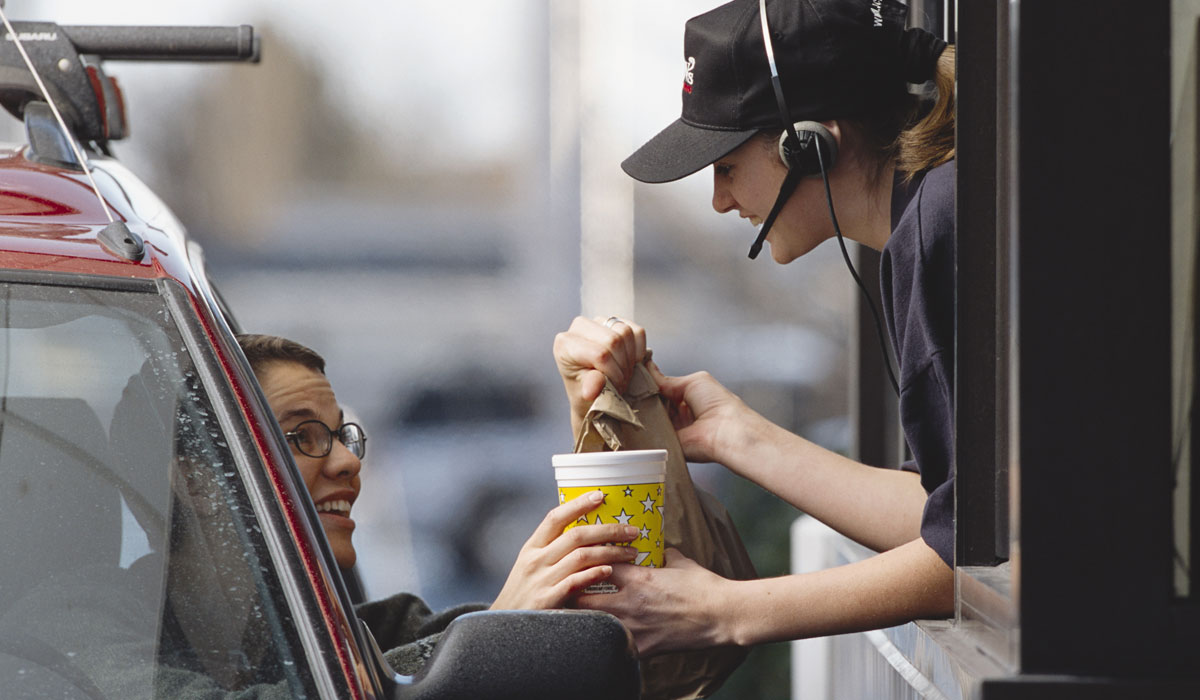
pixel 468 71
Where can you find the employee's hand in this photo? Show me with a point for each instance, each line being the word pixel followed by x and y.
pixel 668 609
pixel 591 351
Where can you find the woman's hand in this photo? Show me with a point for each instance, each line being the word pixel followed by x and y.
pixel 589 352
pixel 554 564
pixel 673 608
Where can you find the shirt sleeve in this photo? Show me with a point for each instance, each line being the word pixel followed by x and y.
pixel 407 630
pixel 917 282
pixel 937 522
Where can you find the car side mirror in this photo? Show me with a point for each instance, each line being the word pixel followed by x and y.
pixel 527 654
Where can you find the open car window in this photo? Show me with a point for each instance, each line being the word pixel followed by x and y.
pixel 133 565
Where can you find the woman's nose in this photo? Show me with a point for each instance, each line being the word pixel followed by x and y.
pixel 341 463
pixel 722 201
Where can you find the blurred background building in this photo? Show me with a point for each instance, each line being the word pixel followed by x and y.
pixel 426 192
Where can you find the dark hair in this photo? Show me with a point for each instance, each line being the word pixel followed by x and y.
pixel 262 350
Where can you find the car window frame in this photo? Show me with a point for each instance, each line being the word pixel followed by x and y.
pixel 273 448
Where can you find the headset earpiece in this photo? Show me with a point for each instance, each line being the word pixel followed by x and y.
pixel 803 158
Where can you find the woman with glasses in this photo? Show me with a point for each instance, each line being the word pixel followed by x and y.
pixel 328 451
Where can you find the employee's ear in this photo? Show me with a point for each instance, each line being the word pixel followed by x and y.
pixel 814 152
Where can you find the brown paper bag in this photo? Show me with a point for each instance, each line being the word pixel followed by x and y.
pixel 695 523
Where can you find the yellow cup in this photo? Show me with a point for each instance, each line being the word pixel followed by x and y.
pixel 632 484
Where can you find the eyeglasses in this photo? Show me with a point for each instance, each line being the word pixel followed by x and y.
pixel 315 439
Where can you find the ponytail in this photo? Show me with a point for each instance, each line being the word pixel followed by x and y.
pixel 930 141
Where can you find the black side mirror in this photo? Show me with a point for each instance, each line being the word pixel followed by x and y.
pixel 526 654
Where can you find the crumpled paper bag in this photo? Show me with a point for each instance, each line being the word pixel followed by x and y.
pixel 695 523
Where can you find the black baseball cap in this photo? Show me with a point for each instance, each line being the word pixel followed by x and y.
pixel 835 58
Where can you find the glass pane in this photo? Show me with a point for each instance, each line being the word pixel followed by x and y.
pixel 132 564
pixel 1185 128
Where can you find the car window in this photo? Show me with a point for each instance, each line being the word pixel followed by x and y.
pixel 133 565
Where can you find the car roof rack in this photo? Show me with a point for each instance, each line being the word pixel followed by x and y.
pixel 69 60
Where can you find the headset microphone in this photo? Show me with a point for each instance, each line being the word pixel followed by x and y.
pixel 785 191
pixel 798 148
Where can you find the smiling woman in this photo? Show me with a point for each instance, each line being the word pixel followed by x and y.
pixel 551 566
pixel 327 450
pixel 304 404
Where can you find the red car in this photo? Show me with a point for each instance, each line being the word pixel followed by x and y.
pixel 158 539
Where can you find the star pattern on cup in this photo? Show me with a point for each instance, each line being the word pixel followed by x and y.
pixel 648 521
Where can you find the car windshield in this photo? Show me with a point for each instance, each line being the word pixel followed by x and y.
pixel 133 565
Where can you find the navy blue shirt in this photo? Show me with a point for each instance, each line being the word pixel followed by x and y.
pixel 917 278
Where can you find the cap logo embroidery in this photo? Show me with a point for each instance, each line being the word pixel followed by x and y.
pixel 687 74
pixel 877 12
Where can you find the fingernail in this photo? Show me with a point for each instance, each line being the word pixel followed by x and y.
pixel 631 552
pixel 631 531
pixel 595 496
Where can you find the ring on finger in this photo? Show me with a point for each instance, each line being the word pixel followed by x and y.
pixel 612 321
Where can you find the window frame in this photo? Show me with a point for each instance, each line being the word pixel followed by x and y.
pixel 282 548
pixel 1064 342
pixel 1063 389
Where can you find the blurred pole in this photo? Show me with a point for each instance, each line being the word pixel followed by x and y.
pixel 563 172
pixel 605 192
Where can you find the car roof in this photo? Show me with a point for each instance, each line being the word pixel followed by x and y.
pixel 50 220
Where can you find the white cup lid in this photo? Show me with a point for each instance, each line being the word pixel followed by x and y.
pixel 609 468
pixel 596 459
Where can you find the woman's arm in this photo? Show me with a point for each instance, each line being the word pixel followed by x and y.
pixel 879 508
pixel 684 606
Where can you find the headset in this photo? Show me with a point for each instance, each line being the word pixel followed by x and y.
pixel 807 148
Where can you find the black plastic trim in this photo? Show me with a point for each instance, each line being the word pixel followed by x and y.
pixel 77 279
